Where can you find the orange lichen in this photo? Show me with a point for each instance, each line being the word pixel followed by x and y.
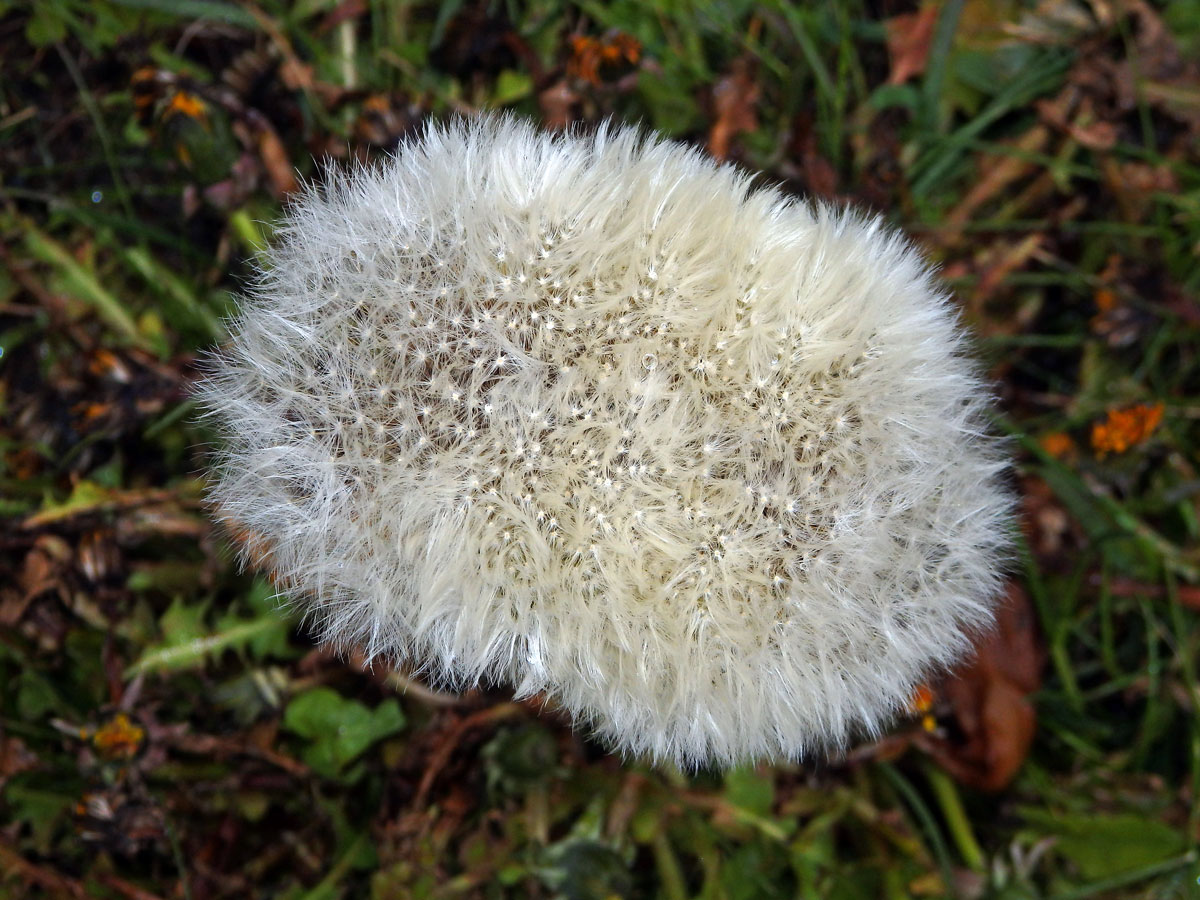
pixel 118 737
pixel 1125 428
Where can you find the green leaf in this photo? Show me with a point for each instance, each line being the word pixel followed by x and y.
pixel 211 10
pixel 182 623
pixel 904 96
pixel 83 284
pixel 587 870
pixel 669 101
pixel 36 697
pixel 187 642
pixel 251 694
pixel 41 809
pixel 757 871
pixel 747 789
pixel 86 496
pixel 1104 846
pixel 511 86
pixel 339 729
pixel 47 25
pixel 183 305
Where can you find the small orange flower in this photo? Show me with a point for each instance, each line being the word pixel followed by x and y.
pixel 1124 428
pixel 1057 443
pixel 118 737
pixel 589 55
pixel 187 104
pixel 922 704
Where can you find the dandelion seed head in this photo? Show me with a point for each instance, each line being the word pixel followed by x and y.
pixel 593 417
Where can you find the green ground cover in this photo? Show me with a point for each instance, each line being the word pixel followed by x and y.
pixel 166 732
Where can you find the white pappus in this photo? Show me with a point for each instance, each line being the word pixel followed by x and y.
pixel 592 416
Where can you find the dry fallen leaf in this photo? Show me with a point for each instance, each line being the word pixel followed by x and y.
pixel 733 98
pixel 818 174
pixel 908 39
pixel 557 103
pixel 275 161
pixel 1002 261
pixel 988 699
pixel 383 120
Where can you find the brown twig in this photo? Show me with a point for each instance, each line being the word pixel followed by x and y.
pixel 442 755
pixel 1187 594
pixel 125 889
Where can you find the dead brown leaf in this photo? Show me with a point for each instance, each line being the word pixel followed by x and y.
pixel 280 171
pixel 1187 594
pixel 45 569
pixel 12 864
pixel 383 120
pixel 345 11
pixel 222 748
pixel 1046 523
pixel 1003 261
pixel 1078 121
pixel 15 758
pixel 557 103
pixel 1158 53
pixel 997 173
pixel 908 39
pixel 734 98
pixel 988 698
pixel 1134 184
pixel 817 173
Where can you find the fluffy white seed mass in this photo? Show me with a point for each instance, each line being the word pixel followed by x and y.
pixel 591 416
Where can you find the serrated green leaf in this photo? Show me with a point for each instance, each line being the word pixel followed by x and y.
pixel 187 642
pixel 182 623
